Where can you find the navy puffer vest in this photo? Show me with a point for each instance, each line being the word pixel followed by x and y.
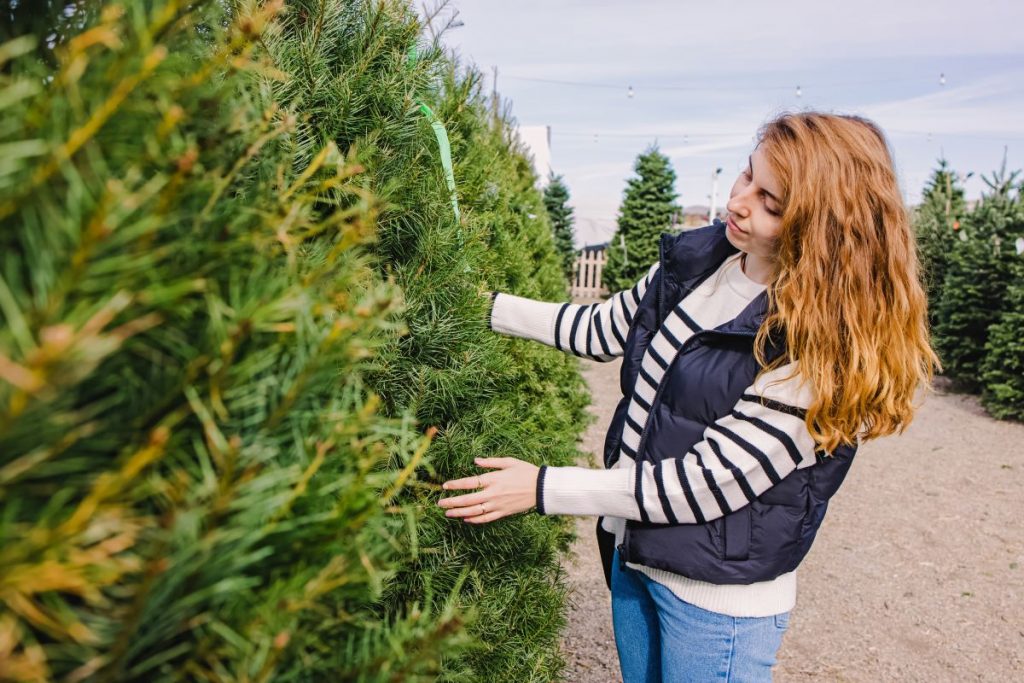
pixel 705 379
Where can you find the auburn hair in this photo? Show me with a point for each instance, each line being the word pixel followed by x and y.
pixel 846 295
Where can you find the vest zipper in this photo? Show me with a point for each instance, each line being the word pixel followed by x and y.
pixel 661 281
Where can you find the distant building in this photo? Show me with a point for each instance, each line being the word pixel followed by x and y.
pixel 696 216
pixel 538 143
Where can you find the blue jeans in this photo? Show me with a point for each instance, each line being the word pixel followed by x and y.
pixel 661 638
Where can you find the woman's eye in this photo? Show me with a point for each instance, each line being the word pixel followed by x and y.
pixel 746 175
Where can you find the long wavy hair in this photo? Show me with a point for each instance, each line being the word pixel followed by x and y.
pixel 846 295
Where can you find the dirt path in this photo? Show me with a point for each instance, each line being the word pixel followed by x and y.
pixel 917 573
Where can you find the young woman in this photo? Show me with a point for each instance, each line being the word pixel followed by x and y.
pixel 757 354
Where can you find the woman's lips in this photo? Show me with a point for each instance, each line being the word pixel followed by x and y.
pixel 735 228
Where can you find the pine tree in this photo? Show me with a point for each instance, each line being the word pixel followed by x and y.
pixel 242 341
pixel 1002 370
pixel 197 483
pixel 647 210
pixel 937 222
pixel 556 201
pixel 977 273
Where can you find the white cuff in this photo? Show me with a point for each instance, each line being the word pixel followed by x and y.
pixel 526 318
pixel 586 491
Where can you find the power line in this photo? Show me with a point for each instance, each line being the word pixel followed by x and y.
pixel 608 134
pixel 630 89
pixel 978 136
pixel 688 137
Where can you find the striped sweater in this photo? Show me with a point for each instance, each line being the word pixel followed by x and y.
pixel 742 454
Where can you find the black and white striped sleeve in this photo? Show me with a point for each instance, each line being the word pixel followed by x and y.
pixel 743 454
pixel 596 331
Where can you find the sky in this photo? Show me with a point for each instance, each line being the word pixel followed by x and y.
pixel 706 75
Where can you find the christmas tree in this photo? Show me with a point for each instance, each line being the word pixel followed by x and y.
pixel 556 201
pixel 196 480
pixel 647 211
pixel 242 341
pixel 937 221
pixel 976 276
pixel 1002 370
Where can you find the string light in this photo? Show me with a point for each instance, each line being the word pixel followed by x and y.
pixel 799 93
pixel 630 93
pixel 942 79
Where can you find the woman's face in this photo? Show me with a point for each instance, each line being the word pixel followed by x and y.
pixel 755 213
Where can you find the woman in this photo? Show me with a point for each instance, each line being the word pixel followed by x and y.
pixel 758 354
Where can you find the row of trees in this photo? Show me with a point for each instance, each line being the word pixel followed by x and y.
pixel 973 261
pixel 243 339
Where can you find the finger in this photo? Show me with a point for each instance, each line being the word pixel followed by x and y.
pixel 496 462
pixel 466 511
pixel 485 518
pixel 461 501
pixel 473 482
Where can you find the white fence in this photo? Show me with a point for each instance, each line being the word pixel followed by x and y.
pixel 586 281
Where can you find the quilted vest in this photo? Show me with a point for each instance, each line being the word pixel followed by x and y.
pixel 704 380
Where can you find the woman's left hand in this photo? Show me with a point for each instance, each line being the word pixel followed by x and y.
pixel 510 489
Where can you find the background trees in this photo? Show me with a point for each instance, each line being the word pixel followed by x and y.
pixel 938 221
pixel 648 208
pixel 973 268
pixel 556 201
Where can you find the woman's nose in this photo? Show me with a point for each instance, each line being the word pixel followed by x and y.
pixel 735 206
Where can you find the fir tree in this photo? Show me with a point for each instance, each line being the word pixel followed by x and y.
pixel 1002 371
pixel 647 211
pixel 190 455
pixel 556 201
pixel 242 340
pixel 937 221
pixel 977 274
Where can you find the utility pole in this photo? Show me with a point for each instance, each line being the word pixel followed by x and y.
pixel 714 194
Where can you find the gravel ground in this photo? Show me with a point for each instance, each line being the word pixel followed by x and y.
pixel 917 573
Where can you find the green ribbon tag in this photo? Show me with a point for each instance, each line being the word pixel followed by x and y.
pixel 446 154
pixel 441 133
